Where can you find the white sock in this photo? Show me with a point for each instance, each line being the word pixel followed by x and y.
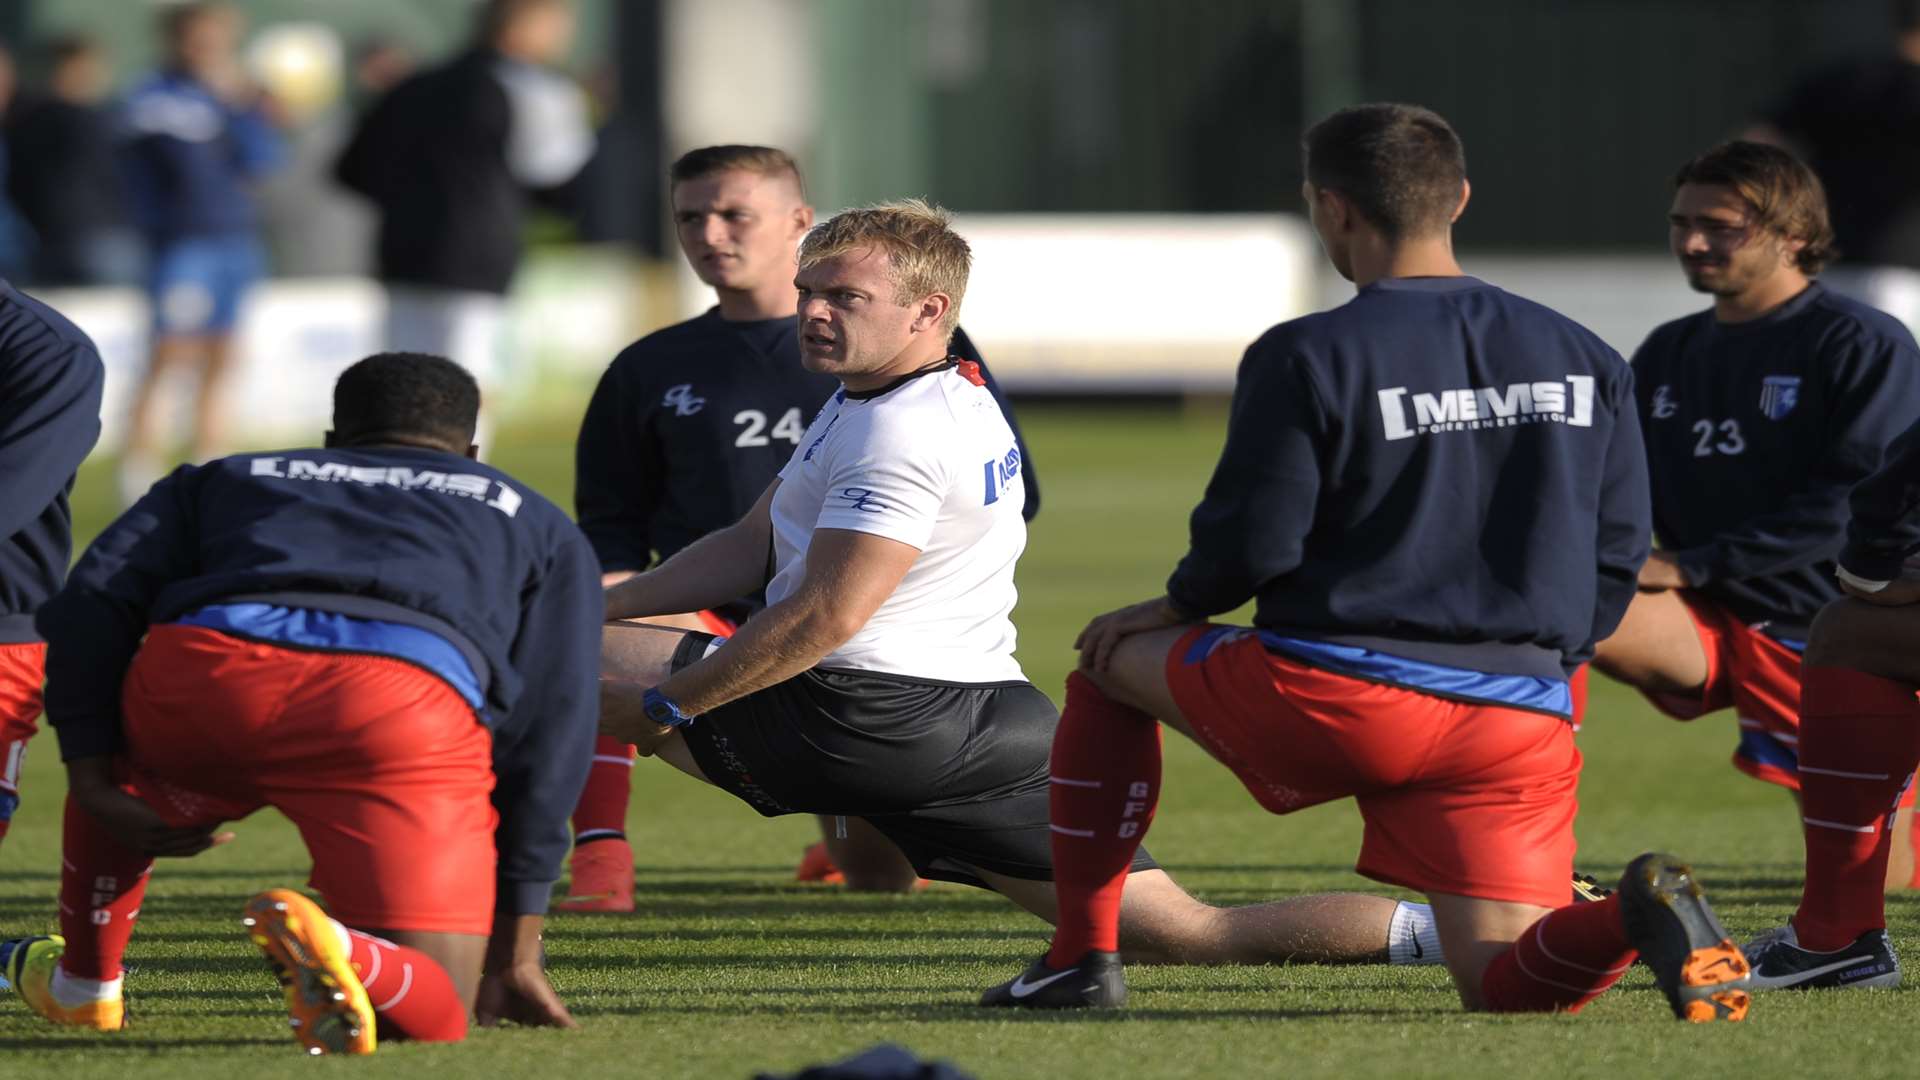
pixel 71 990
pixel 1412 936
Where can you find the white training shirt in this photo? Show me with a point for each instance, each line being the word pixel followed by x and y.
pixel 930 462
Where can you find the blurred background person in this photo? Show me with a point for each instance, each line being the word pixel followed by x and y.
pixel 63 177
pixel 452 157
pixel 1858 124
pixel 313 226
pixel 15 239
pixel 196 138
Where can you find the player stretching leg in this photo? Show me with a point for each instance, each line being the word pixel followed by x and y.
pixel 688 426
pixel 50 381
pixel 1859 745
pixel 370 638
pixel 1758 415
pixel 880 680
pixel 1436 495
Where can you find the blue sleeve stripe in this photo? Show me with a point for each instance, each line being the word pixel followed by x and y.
pixel 330 632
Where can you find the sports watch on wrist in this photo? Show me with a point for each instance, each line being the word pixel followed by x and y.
pixel 662 709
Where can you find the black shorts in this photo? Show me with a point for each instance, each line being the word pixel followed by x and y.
pixel 954 774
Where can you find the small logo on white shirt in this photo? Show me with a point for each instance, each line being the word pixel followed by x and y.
pixel 683 401
pixel 1663 404
pixel 1000 473
pixel 865 500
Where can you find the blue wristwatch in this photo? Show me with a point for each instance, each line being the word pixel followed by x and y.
pixel 662 709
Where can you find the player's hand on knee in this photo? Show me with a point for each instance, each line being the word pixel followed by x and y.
pixel 136 825
pixel 93 787
pixel 623 716
pixel 1097 642
pixel 520 994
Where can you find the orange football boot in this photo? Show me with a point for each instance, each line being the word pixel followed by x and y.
pixel 602 877
pixel 1703 973
pixel 327 1005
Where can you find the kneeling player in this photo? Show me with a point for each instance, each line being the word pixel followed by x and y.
pixel 1859 744
pixel 1758 415
pixel 1436 494
pixel 372 638
pixel 880 682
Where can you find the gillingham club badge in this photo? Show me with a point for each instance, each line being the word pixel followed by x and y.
pixel 1778 395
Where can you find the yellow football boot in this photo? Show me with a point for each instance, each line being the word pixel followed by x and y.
pixel 29 968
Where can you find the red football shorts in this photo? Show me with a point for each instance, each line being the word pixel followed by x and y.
pixel 23 670
pixel 1755 676
pixel 1458 798
pixel 383 767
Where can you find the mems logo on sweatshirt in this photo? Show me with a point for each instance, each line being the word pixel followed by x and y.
pixel 467 485
pixel 1479 408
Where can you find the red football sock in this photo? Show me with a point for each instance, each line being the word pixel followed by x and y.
pixel 413 994
pixel 1859 741
pixel 101 884
pixel 1106 784
pixel 602 811
pixel 1562 962
pixel 1913 838
pixel 1577 685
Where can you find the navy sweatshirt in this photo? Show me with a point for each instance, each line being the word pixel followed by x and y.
pixel 1436 471
pixel 1755 433
pixel 414 538
pixel 50 380
pixel 691 423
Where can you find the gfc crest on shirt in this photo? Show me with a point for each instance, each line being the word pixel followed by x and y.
pixel 1778 395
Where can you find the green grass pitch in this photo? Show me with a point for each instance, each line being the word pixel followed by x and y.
pixel 729 967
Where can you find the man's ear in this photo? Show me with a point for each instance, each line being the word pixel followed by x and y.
pixel 803 217
pixel 1466 193
pixel 932 309
pixel 1332 208
pixel 473 451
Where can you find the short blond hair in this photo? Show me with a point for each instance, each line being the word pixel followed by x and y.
pixel 926 255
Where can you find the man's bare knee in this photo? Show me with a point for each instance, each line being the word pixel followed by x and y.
pixel 1656 647
pixel 1842 634
pixel 868 861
